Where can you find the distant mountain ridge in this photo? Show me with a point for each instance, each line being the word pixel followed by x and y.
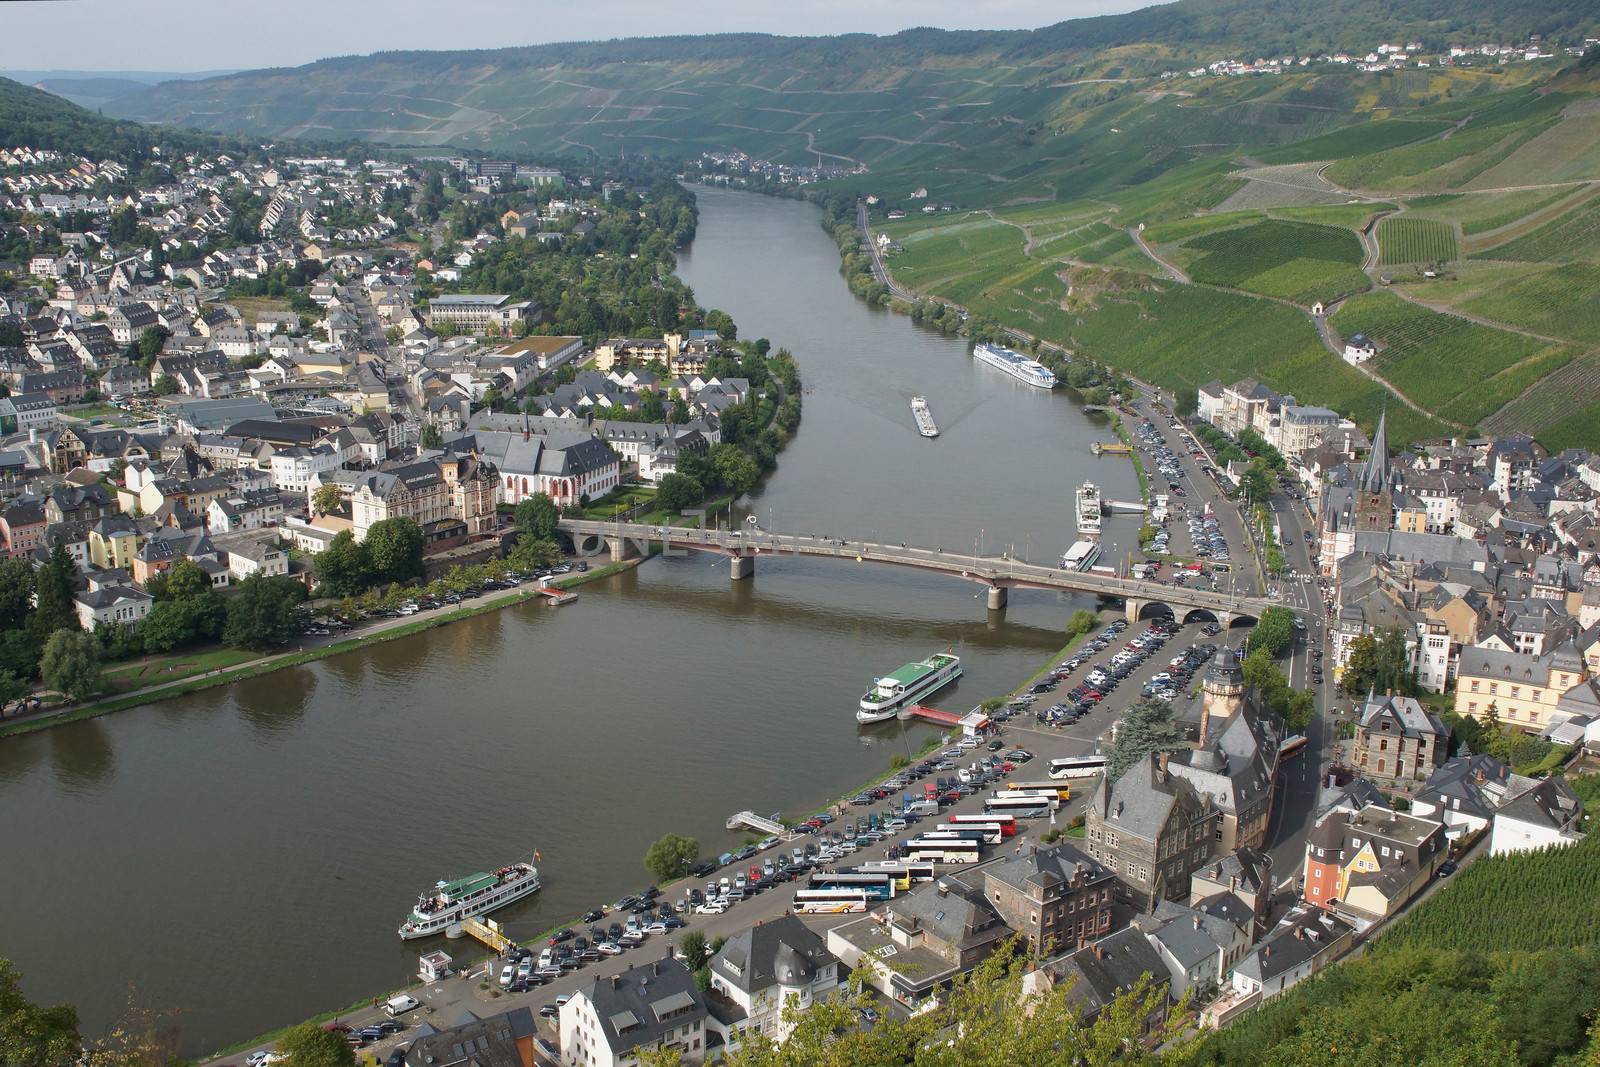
pixel 696 90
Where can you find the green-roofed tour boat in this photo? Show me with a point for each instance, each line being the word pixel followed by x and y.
pixel 463 898
pixel 893 692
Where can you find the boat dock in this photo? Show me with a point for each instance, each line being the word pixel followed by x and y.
pixel 1128 506
pixel 487 931
pixel 1109 448
pixel 558 597
pixel 933 715
pixel 754 822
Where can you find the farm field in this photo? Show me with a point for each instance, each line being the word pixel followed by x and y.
pixel 1353 216
pixel 1294 260
pixel 1286 185
pixel 1562 302
pixel 1459 369
pixel 1367 138
pixel 1407 240
pixel 1573 236
pixel 1163 233
pixel 1568 150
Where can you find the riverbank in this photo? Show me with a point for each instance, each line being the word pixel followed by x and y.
pixel 255 668
pixel 467 961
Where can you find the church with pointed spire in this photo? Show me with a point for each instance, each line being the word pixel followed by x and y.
pixel 1374 503
pixel 1357 500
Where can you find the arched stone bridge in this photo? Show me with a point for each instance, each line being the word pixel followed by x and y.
pixel 998 573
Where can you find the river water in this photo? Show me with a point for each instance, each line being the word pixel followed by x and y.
pixel 244 855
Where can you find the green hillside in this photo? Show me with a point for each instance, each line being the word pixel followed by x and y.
pixel 33 117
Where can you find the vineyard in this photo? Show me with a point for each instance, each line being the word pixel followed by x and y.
pixel 1562 302
pixel 1446 364
pixel 1182 229
pixel 1557 896
pixel 1353 216
pixel 1405 240
pixel 1573 236
pixel 1294 260
pixel 1548 413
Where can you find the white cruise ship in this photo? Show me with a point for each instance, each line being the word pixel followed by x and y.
pixel 892 692
pixel 464 898
pixel 1089 518
pixel 1015 364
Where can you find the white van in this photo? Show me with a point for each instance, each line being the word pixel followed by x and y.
pixel 400 1005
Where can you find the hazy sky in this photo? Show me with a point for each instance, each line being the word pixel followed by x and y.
pixel 185 35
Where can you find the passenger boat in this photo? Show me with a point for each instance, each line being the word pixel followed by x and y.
pixel 451 901
pixel 894 691
pixel 1081 556
pixel 925 424
pixel 1088 510
pixel 1015 364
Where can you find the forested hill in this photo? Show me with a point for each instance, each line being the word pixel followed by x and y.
pixel 671 93
pixel 38 119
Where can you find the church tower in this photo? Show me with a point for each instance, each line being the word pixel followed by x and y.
pixel 1375 494
pixel 1221 695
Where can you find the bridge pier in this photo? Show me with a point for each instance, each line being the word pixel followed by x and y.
pixel 621 548
pixel 1135 605
pixel 741 567
pixel 998 595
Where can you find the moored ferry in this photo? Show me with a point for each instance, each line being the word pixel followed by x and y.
pixel 905 686
pixel 451 901
pixel 1089 507
pixel 1081 556
pixel 1015 364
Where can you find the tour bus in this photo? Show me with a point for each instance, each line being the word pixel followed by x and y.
pixel 1020 805
pixel 990 830
pixel 906 874
pixel 1077 767
pixel 879 885
pixel 1061 790
pixel 1007 823
pixel 829 901
pixel 1291 745
pixel 942 850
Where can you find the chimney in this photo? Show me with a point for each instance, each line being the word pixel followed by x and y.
pixel 1099 953
pixel 1197 922
pixel 1161 764
pixel 616 980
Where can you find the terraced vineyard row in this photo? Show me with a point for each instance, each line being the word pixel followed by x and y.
pixel 1561 302
pixel 1405 240
pixel 1298 261
pixel 1564 399
pixel 1573 236
pixel 1444 363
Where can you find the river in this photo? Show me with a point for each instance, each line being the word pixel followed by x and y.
pixel 243 855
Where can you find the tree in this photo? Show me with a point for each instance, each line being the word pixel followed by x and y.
pixel 395 548
pixel 692 950
pixel 165 385
pixel 174 623
pixel 264 614
pixel 71 664
pixel 736 472
pixel 1380 662
pixel 1148 726
pixel 19 652
pixel 1188 402
pixel 327 499
pixel 16 592
pixel 183 581
pixel 671 857
pixel 534 553
pixel 679 491
pixel 150 342
pixel 309 1045
pixel 11 688
pixel 31 1034
pixel 53 589
pixel 1083 620
pixel 537 516
pixel 1273 633
pixel 344 567
pixel 430 436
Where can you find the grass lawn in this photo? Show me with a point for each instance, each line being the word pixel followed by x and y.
pixel 131 676
pixel 94 411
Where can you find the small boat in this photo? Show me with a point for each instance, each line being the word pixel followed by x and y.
pixel 925 424
pixel 894 691
pixel 449 902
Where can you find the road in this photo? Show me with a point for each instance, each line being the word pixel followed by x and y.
pixel 879 271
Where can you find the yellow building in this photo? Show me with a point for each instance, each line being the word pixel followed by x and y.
pixel 1523 690
pixel 114 542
